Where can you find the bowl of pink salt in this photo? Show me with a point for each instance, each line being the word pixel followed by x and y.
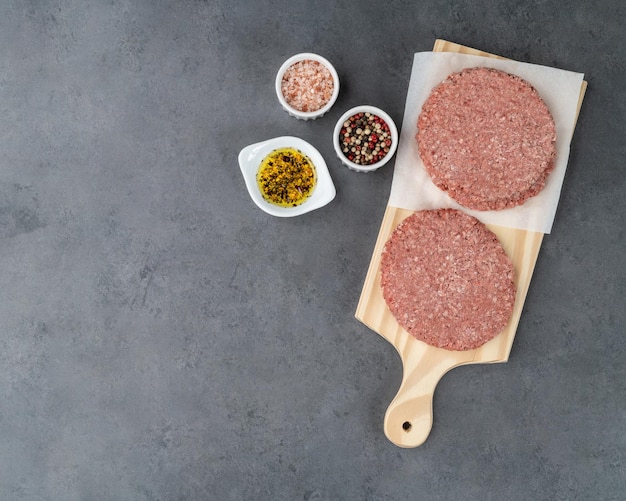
pixel 307 86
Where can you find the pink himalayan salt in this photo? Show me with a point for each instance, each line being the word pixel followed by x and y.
pixel 307 85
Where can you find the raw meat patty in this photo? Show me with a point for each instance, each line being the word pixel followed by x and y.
pixel 487 138
pixel 447 280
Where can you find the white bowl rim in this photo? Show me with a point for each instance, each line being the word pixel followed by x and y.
pixel 365 108
pixel 250 159
pixel 302 57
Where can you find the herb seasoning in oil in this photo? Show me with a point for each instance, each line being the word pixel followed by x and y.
pixel 286 177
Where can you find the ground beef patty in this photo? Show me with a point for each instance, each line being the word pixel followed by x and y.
pixel 447 280
pixel 487 138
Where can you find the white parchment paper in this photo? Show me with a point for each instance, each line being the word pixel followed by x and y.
pixel 411 186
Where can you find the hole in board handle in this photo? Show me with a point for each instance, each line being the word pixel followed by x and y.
pixel 406 426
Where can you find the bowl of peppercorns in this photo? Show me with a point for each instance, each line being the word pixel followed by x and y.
pixel 365 138
pixel 307 86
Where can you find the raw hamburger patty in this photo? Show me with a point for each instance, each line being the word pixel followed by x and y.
pixel 487 138
pixel 447 280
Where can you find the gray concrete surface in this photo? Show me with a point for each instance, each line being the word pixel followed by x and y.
pixel 163 339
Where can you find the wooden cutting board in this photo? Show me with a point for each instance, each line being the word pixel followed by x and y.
pixel 409 417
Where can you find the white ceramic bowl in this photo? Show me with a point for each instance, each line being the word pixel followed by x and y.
pixel 250 159
pixel 302 115
pixel 392 148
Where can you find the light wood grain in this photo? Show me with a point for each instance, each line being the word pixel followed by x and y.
pixel 409 418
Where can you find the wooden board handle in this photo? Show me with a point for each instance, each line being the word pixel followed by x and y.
pixel 409 417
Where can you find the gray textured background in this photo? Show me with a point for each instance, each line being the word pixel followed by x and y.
pixel 163 339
